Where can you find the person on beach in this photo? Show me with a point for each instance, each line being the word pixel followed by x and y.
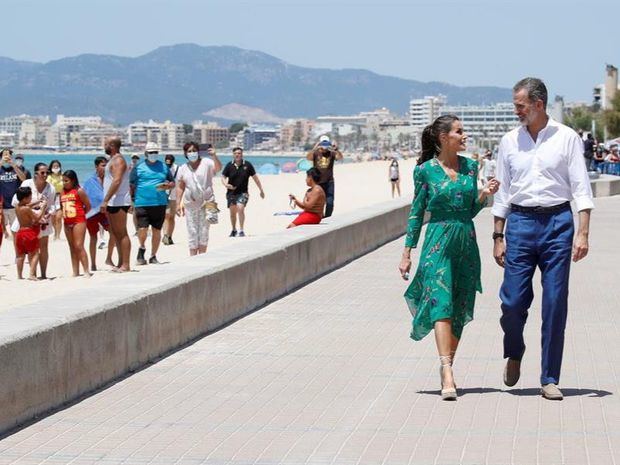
pixel 11 176
pixel 27 237
pixel 323 156
pixel 314 201
pixel 171 209
pixel 54 177
pixel 235 177
pixel 194 191
pixel 75 205
pixel 41 190
pixel 442 295
pixel 150 180
pixel 394 176
pixel 96 220
pixel 19 162
pixel 117 200
pixel 489 167
pixel 541 169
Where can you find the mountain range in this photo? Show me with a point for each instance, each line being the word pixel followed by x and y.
pixel 185 82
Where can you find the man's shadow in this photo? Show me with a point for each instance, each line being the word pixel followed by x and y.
pixel 568 392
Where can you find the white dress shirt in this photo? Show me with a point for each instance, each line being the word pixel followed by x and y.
pixel 544 173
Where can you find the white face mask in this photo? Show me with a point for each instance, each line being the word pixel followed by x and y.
pixel 192 156
pixel 55 170
pixel 152 156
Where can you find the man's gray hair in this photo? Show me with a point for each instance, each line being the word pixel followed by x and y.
pixel 536 89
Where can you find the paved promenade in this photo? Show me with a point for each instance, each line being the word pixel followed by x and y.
pixel 328 375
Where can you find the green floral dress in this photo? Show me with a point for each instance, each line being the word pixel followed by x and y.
pixel 448 273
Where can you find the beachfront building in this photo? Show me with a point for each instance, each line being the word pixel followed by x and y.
pixel 398 133
pixel 25 130
pixel 484 124
pixel 210 133
pixel 168 135
pixel 295 134
pixel 423 111
pixel 65 132
pixel 260 137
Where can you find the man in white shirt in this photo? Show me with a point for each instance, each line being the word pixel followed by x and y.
pixel 541 169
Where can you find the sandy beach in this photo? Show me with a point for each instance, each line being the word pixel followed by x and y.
pixel 357 185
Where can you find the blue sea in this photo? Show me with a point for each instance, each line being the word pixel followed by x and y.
pixel 83 164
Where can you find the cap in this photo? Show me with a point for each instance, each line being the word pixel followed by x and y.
pixel 324 141
pixel 151 147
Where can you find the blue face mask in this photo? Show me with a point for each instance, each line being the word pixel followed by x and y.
pixel 152 157
pixel 6 165
pixel 192 156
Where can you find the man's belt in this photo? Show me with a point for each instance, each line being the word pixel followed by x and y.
pixel 553 209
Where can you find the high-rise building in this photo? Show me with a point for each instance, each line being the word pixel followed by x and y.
pixel 210 133
pixel 423 111
pixel 485 124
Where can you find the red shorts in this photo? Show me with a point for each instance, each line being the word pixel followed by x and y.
pixel 27 240
pixel 92 223
pixel 307 218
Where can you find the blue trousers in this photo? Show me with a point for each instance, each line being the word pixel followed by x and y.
pixel 329 188
pixel 544 241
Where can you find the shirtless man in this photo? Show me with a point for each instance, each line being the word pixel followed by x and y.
pixel 313 203
pixel 27 238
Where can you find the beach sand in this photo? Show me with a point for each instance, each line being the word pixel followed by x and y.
pixel 357 185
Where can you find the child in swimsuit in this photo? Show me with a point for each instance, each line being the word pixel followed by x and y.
pixel 27 238
pixel 75 204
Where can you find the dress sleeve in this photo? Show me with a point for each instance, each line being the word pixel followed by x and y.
pixel 418 207
pixel 476 204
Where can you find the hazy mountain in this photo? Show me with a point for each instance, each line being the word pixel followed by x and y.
pixel 183 82
pixel 237 112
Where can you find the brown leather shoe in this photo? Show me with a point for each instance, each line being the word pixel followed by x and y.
pixel 551 392
pixel 512 372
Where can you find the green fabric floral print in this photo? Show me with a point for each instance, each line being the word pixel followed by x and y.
pixel 448 274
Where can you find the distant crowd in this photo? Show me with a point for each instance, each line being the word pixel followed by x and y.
pixel 39 205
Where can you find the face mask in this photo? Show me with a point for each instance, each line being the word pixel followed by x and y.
pixel 6 165
pixel 55 170
pixel 192 156
pixel 151 156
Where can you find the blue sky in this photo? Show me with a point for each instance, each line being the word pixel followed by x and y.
pixel 467 42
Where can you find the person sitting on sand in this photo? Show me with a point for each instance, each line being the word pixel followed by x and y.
pixel 313 203
pixel 27 238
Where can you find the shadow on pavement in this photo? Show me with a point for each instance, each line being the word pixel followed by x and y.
pixel 464 391
pixel 568 392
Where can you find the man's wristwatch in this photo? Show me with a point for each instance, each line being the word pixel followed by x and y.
pixel 497 235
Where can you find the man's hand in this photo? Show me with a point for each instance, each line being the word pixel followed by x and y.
pixel 580 247
pixel 499 252
pixel 230 187
pixel 104 207
pixel 181 210
pixel 211 152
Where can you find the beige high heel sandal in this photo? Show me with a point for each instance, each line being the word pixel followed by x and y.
pixel 446 393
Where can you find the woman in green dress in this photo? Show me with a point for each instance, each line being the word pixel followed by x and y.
pixel 443 291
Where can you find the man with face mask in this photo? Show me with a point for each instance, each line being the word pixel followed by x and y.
pixel 149 182
pixel 11 176
pixel 19 161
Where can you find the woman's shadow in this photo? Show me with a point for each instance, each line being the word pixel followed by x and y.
pixel 568 392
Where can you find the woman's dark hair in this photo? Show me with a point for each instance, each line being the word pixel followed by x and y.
pixel 39 165
pixel 49 167
pixel 72 175
pixel 189 145
pixel 169 157
pixel 314 174
pixel 430 136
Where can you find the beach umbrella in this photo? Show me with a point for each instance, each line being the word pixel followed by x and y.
pixel 268 168
pixel 289 167
pixel 304 165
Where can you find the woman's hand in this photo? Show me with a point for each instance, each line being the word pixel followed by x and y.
pixel 405 267
pixel 181 210
pixel 491 187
